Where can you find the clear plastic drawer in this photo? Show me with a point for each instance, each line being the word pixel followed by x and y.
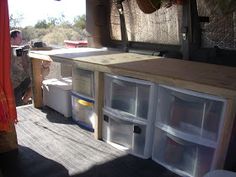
pixel 190 112
pixel 83 111
pixel 180 156
pixel 128 95
pixel 132 136
pixel 118 131
pixel 83 82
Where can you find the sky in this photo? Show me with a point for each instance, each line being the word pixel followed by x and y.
pixel 35 10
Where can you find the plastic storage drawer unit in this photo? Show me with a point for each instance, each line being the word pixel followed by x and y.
pixel 83 111
pixel 131 135
pixel 56 94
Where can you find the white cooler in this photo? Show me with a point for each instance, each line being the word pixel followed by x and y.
pixel 57 95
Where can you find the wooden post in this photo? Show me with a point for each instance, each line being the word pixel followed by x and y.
pixel 37 82
pixel 97 28
pixel 185 31
pixel 191 31
pixel 226 134
pixel 99 97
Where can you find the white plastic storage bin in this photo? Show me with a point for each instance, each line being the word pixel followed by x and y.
pixel 56 94
pixel 190 112
pixel 132 96
pixel 131 135
pixel 180 156
pixel 83 82
pixel 83 111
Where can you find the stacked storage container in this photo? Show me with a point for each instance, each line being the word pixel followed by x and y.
pixel 187 130
pixel 128 114
pixel 82 98
pixel 56 95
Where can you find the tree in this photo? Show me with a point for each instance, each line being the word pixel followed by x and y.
pixel 53 21
pixel 54 30
pixel 15 21
pixel 80 22
pixel 42 24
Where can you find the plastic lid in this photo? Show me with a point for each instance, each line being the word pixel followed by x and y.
pixel 63 83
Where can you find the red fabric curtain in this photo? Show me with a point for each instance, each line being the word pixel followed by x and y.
pixel 7 101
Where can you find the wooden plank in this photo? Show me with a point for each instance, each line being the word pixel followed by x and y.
pixel 90 55
pixel 40 56
pixel 116 58
pixel 103 58
pixel 99 97
pixel 70 53
pixel 183 74
pixel 37 82
pixel 225 134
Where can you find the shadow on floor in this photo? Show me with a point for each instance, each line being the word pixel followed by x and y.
pixel 28 163
pixel 127 166
pixel 56 117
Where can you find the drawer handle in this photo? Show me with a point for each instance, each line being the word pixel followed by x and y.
pixel 137 129
pixel 84 103
pixel 106 118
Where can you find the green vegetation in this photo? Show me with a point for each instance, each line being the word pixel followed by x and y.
pixel 52 31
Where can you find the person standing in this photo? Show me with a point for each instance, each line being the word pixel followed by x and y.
pixel 20 69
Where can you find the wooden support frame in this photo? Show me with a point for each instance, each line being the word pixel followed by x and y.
pixel 99 102
pixel 227 127
pixel 191 32
pixel 37 82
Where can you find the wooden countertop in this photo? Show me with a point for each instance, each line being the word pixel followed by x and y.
pixel 101 56
pixel 186 74
pixel 202 77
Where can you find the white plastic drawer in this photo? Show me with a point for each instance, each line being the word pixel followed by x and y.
pixel 128 134
pixel 83 82
pixel 83 111
pixel 128 95
pixel 190 112
pixel 182 157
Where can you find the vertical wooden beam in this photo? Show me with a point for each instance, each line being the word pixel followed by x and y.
pixel 225 134
pixel 37 83
pixel 94 36
pixel 185 31
pixel 99 97
pixel 97 24
pixel 124 36
pixel 191 30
